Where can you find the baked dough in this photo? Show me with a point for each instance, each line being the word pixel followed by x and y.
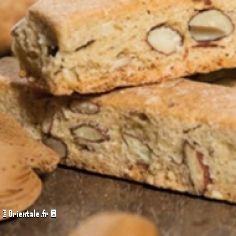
pixel 95 46
pixel 11 12
pixel 178 135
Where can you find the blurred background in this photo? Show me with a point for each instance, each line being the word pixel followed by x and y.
pixel 10 12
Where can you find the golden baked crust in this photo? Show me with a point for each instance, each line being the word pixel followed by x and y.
pixel 177 99
pixel 61 14
pixel 11 12
pixel 112 49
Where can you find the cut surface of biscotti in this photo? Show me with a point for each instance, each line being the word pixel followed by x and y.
pixel 95 46
pixel 178 135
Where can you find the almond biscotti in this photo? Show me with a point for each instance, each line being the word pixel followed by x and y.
pixel 177 135
pixel 95 46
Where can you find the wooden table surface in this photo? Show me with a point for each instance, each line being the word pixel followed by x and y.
pixel 76 195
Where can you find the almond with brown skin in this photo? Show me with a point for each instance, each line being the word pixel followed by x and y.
pixel 164 39
pixel 137 147
pixel 210 25
pixel 86 107
pixel 47 124
pixel 57 145
pixel 199 171
pixel 90 133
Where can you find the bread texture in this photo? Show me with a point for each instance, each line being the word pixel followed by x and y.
pixel 176 135
pixel 11 12
pixel 95 46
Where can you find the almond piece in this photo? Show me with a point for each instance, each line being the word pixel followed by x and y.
pixel 199 171
pixel 210 25
pixel 49 112
pixel 57 145
pixel 46 125
pixel 138 148
pixel 86 107
pixel 165 39
pixel 90 133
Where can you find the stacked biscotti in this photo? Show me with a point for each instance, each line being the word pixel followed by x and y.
pixel 166 131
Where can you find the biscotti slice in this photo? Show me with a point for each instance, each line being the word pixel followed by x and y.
pixel 178 135
pixel 95 46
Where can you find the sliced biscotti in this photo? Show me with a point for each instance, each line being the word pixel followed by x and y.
pixel 178 135
pixel 94 46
